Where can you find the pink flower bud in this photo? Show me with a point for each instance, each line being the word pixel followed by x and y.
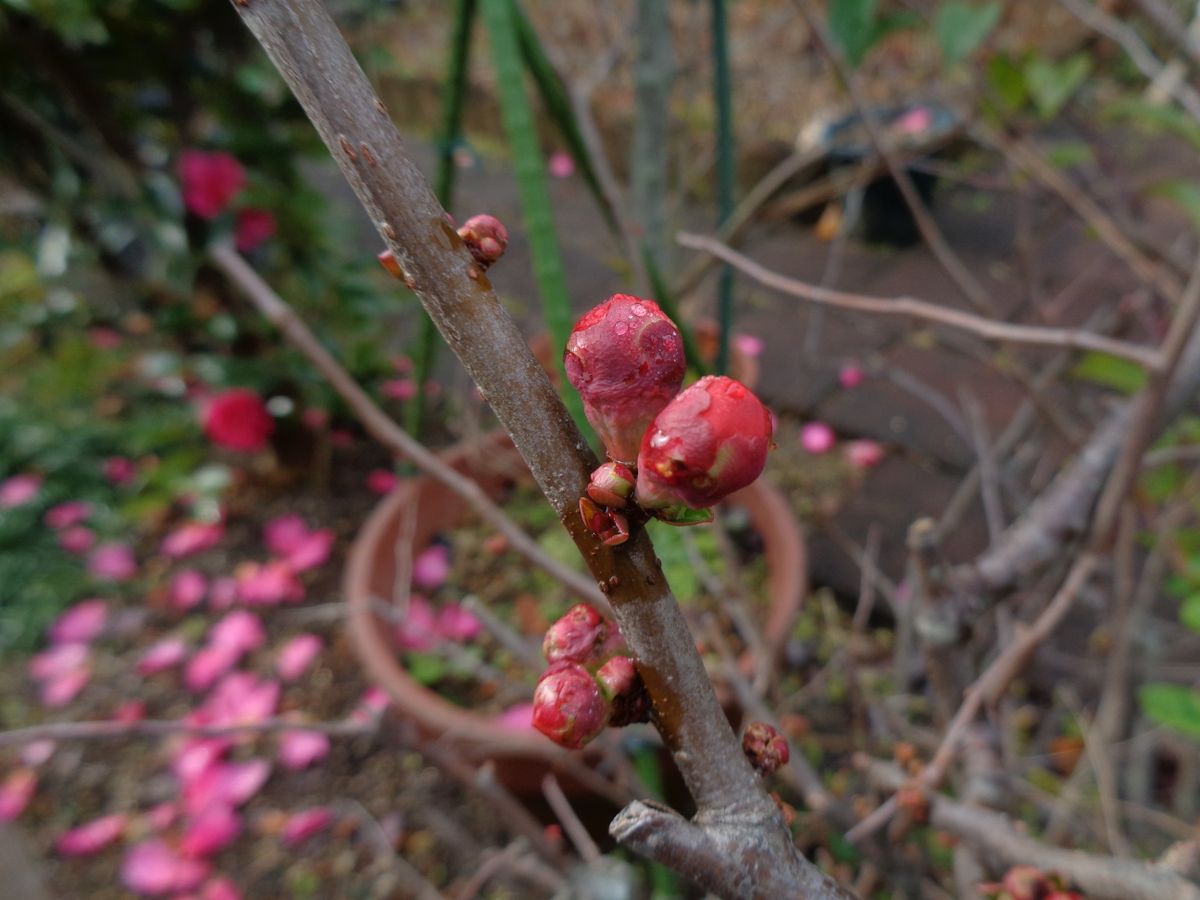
pixel 579 636
pixel 817 438
pixel 864 454
pixel 622 685
pixel 707 443
pixel 765 747
pixel 486 238
pixel 568 707
pixel 608 525
pixel 626 360
pixel 611 485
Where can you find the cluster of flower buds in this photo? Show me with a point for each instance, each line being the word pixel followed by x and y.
pixel 571 705
pixel 674 454
pixel 765 747
pixel 1029 883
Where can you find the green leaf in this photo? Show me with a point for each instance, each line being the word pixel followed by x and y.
pixel 1189 612
pixel 426 668
pixel 1007 82
pixel 852 26
pixel 1069 154
pixel 961 27
pixel 1186 194
pixel 1173 706
pixel 1111 371
pixel 1052 84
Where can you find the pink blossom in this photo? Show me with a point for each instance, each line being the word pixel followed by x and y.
pixel 81 623
pixel 237 419
pixel 162 655
pixel 851 375
pixel 241 699
pixel 161 817
pixel 418 630
pixel 431 568
pixel 77 540
pixel 15 793
pixel 381 481
pixel 58 660
pixel 399 388
pixel 188 589
pixel 302 825
pixel 457 623
pixel 91 837
pixel 516 718
pixel 226 784
pixel 312 552
pixel 817 438
pixel 129 712
pixel 749 345
pixel 300 748
pixel 113 562
pixel 207 665
pixel 289 537
pixel 209 181
pixel 283 534
pixel 119 471
pixel 561 165
pixel 64 515
pixel 253 229
pixel 195 756
pixel 19 490
pixel 194 537
pixel 152 868
pixel 296 655
pixel 211 831
pixel 864 454
pixel 62 689
pixel 223 593
pixel 37 752
pixel 267 584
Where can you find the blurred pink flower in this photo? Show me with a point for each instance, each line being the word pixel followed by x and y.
pixel 418 629
pixel 749 344
pixel 864 454
pixel 267 584
pixel 402 364
pixel 15 793
pixel 431 568
pixel 817 438
pixel 162 655
pixel 313 551
pixel 119 471
pixel 62 689
pixel 161 817
pixel 194 537
pixel 129 712
pixel 399 388
pixel 302 825
pixel 297 655
pixel 113 562
pixel 223 593
pixel 517 718
pixel 915 121
pixel 340 437
pixel 19 490
pixel 241 698
pixel 300 748
pixel 240 630
pixel 282 534
pixel 64 515
pixel 81 623
pixel 851 375
pixel 237 419
pixel 561 165
pixel 456 623
pixel 37 752
pixel 188 589
pixel 77 540
pixel 195 756
pixel 207 665
pixel 382 481
pixel 209 181
pixel 225 784
pixel 91 837
pixel 290 537
pixel 152 869
pixel 219 889
pixel 253 229
pixel 63 670
pixel 104 338
pixel 210 831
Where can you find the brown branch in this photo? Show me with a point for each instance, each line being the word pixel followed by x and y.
pixel 304 44
pixel 921 309
pixel 1099 877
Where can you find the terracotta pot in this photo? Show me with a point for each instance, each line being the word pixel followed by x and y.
pixel 495 464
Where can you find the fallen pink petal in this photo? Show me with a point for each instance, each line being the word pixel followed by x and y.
pixel 305 824
pixel 399 388
pixel 153 869
pixel 228 784
pixel 81 623
pixel 300 748
pixel 268 584
pixel 207 665
pixel 297 655
pixel 210 831
pixel 431 568
pixel 192 538
pixel 92 837
pixel 112 562
pixel 418 629
pixel 240 630
pixel 381 481
pixel 311 552
pixel 241 698
pixel 36 753
pixel 457 623
pixel 188 589
pixel 162 655
pixel 15 793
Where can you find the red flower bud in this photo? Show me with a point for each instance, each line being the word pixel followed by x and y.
pixel 568 707
pixel 611 485
pixel 608 525
pixel 486 238
pixel 580 636
pixel 765 747
pixel 626 360
pixel 708 442
pixel 623 686
pixel 238 419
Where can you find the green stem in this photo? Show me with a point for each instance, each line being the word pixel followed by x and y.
pixel 723 99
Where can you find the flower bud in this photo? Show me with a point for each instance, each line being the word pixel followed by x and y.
pixel 623 687
pixel 567 705
pixel 486 238
pixel 610 526
pixel 708 442
pixel 626 360
pixel 582 636
pixel 765 747
pixel 611 485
